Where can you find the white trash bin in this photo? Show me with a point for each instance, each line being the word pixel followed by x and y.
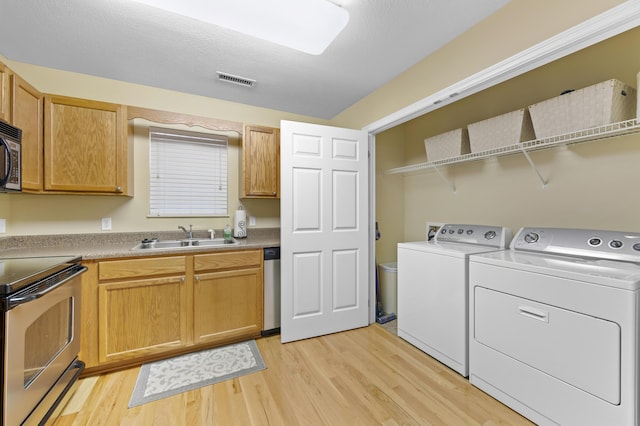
pixel 389 287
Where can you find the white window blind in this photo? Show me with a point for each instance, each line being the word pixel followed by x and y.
pixel 187 173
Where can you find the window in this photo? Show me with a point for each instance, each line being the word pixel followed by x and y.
pixel 187 173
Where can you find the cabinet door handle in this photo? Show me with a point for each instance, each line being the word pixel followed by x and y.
pixel 197 278
pixel 182 280
pixel 118 189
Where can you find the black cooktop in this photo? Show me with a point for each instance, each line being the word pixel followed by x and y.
pixel 17 273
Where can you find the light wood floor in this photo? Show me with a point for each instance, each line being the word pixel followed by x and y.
pixel 366 376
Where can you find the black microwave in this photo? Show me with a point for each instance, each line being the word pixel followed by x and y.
pixel 10 158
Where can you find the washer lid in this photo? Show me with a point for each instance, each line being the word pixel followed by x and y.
pixel 463 240
pixel 625 275
pixel 447 248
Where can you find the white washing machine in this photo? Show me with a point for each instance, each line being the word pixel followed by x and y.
pixel 433 289
pixel 554 326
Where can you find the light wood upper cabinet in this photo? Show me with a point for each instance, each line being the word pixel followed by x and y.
pixel 85 146
pixel 27 114
pixel 260 162
pixel 4 93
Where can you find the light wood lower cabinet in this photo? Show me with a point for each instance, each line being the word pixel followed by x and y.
pixel 228 296
pixel 137 310
pixel 142 317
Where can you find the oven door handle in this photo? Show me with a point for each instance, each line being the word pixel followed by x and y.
pixel 30 297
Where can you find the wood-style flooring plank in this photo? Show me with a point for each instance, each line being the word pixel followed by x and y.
pixel 366 376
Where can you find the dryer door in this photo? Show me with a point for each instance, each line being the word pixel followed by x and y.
pixel 581 350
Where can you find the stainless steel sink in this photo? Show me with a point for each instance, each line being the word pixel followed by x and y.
pixel 182 244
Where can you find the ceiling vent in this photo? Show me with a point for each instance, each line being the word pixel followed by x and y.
pixel 230 78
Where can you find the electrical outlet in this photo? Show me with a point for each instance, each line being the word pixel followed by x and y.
pixel 252 221
pixel 106 224
pixel 3 226
pixel 431 230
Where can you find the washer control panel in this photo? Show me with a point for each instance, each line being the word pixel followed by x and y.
pixel 614 245
pixel 494 236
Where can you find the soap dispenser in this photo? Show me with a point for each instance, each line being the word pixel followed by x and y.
pixel 227 234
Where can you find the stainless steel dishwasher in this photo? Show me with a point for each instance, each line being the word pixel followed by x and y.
pixel 271 320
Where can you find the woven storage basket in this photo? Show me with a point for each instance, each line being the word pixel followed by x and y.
pixel 447 145
pixel 503 130
pixel 608 102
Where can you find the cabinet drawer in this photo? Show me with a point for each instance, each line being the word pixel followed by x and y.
pixel 232 259
pixel 131 268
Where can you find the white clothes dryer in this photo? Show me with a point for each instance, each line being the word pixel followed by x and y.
pixel 554 326
pixel 433 289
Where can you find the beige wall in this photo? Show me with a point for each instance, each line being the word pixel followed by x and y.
pixel 65 83
pixel 590 185
pixel 390 199
pixel 29 214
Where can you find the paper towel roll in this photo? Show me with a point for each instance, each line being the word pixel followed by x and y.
pixel 240 224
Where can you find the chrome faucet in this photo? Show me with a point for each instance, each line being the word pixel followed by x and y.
pixel 189 232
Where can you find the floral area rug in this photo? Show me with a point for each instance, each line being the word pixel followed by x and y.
pixel 172 376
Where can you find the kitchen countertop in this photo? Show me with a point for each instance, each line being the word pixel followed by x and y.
pixel 115 245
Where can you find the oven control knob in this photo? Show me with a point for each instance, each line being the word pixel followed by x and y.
pixel 460 231
pixel 443 231
pixel 595 241
pixel 636 246
pixel 490 235
pixel 451 231
pixel 531 237
pixel 469 231
pixel 616 244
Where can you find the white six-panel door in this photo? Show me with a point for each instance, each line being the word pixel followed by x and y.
pixel 324 230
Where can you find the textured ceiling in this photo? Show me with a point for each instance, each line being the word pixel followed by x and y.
pixel 128 41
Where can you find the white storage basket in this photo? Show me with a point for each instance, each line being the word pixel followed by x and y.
pixel 447 145
pixel 503 130
pixel 608 102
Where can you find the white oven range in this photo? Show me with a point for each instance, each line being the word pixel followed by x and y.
pixel 554 326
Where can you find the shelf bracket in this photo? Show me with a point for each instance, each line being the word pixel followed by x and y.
pixel 533 166
pixel 444 178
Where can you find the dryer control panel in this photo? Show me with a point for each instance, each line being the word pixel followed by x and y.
pixel 600 244
pixel 493 236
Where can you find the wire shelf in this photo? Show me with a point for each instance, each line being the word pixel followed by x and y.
pixel 602 132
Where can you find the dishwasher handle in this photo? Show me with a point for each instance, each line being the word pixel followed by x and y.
pixel 272 253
